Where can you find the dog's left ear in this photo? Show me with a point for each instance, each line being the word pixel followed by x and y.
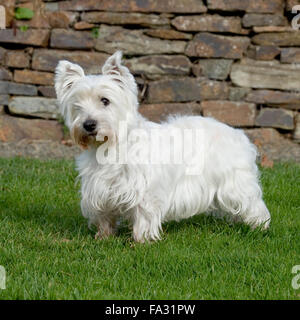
pixel 113 66
pixel 66 74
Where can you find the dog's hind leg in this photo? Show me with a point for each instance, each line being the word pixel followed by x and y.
pixel 240 195
pixel 256 215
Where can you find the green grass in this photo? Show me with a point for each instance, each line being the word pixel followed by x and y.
pixel 49 253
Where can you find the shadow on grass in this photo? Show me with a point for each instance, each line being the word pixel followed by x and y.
pixel 202 224
pixel 68 222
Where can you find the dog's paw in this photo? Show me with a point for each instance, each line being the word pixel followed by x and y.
pixel 101 236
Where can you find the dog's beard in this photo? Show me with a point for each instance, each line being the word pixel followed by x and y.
pixel 85 140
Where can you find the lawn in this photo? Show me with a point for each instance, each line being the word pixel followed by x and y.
pixel 49 252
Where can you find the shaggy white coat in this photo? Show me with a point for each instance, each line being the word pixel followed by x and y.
pixel 146 194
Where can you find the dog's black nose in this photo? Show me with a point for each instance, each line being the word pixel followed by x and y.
pixel 90 125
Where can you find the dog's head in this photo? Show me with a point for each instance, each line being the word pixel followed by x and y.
pixel 93 105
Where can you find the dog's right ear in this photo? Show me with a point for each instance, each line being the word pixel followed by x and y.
pixel 66 73
pixel 113 66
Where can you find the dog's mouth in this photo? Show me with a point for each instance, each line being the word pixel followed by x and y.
pixel 96 138
pixel 92 140
pixel 85 140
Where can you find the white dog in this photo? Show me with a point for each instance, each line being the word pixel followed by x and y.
pixel 102 115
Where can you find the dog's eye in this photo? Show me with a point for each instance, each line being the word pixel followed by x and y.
pixel 105 101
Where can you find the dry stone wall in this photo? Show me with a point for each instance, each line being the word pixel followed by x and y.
pixel 237 61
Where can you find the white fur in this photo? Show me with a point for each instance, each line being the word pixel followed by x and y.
pixel 150 194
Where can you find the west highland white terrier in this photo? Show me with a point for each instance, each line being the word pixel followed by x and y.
pixel 149 173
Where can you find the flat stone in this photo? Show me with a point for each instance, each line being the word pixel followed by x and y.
pixel 34 77
pixel 38 149
pixel 272 96
pixel 120 18
pixel 30 37
pixel 47 60
pixel 47 91
pixel 186 89
pixel 16 129
pixel 277 39
pixel 238 94
pixel 160 65
pixel 272 144
pixel 290 55
pixel 69 39
pixel 7 87
pixel 212 23
pixel 276 118
pixel 168 34
pixel 213 90
pixel 51 6
pixel 34 106
pixel 183 6
pixel 259 6
pixel 61 19
pixel 255 19
pixel 160 112
pixel 213 68
pixel 4 98
pixel 82 25
pixel 5 74
pixel 265 75
pixel 17 59
pixel 287 100
pixel 134 42
pixel 215 46
pixel 272 29
pixel 266 52
pixel 237 114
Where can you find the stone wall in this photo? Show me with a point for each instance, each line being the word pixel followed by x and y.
pixel 237 61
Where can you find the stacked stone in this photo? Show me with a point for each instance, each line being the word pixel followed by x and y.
pixel 237 61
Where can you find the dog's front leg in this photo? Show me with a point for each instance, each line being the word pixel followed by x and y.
pixel 106 227
pixel 146 225
pixel 105 222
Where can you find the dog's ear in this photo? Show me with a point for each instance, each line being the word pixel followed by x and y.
pixel 113 66
pixel 66 73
